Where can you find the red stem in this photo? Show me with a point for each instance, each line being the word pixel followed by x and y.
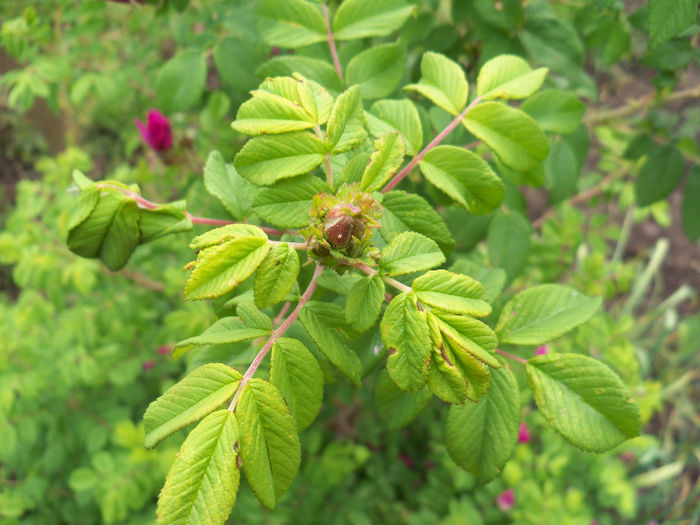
pixel 437 140
pixel 511 356
pixel 331 42
pixel 279 332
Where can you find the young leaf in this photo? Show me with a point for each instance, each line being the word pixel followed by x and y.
pixel 397 115
pixel 163 220
pixel 287 203
pixel 410 252
pixel 405 334
pixel 470 335
pixel 444 378
pixel 365 18
pixel 180 81
pixel 290 23
pixel 364 302
pixel 268 113
pixel 405 212
pixel 465 177
pixel 345 129
pixel 270 447
pixel 398 407
pixel 555 111
pixel 508 242
pixel 691 211
pixel 659 175
pixel 296 373
pixel 377 70
pixel 443 82
pixel 511 134
pixel 267 159
pixel 542 313
pixel 384 162
pixel 481 436
pixel 223 181
pixel 314 99
pixel 219 269
pixel 226 330
pixel 322 321
pixel 225 233
pixel 198 394
pixel 276 275
pixel 583 400
pixel 202 484
pixel 450 292
pixel 508 77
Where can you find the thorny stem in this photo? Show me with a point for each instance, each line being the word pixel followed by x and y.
pixel 279 332
pixel 331 42
pixel 145 203
pixel 437 140
pixel 393 282
pixel 285 308
pixel 511 356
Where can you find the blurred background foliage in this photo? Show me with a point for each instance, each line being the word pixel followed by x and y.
pixel 84 350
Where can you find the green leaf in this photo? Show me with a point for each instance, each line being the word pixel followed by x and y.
pixel 267 159
pixel 315 99
pixel 668 18
pixel 312 68
pixel 405 212
pixel 225 233
pixel 443 82
pixel 384 162
pixel 252 317
pixel 561 171
pixel 364 302
pixel 377 70
pixel 239 73
pixel 270 447
pixel 398 407
pixel 542 313
pixel 345 129
pixel 465 177
pixel 276 275
pixel 555 110
pixel 108 229
pixel 226 330
pixel 469 334
pixel 492 279
pixel 180 82
pixel 480 437
pixel 444 378
pixel 287 203
pixel 513 135
pixel 691 211
pixel 290 23
pixel 659 175
pixel 508 77
pixel 219 269
pixel 508 242
pixel 397 115
pixel 223 181
pixel 198 394
pixel 583 400
pixel 405 333
pixel 450 292
pixel 268 113
pixel 296 373
pixel 202 484
pixel 365 18
pixel 164 220
pixel 410 252
pixel 323 321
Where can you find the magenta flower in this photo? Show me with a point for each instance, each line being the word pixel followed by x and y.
pixel 148 365
pixel 163 350
pixel 523 433
pixel 541 350
pixel 156 132
pixel 506 500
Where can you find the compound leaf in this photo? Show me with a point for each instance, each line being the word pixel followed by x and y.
pixel 443 82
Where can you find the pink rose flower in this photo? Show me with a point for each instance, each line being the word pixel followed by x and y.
pixel 148 365
pixel 523 433
pixel 506 500
pixel 156 132
pixel 541 350
pixel 163 350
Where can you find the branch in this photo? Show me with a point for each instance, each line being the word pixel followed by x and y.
pixel 279 332
pixel 437 140
pixel 393 282
pixel 149 205
pixel 331 42
pixel 511 356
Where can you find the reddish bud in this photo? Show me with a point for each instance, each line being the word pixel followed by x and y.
pixel 156 132
pixel 506 500
pixel 338 230
pixel 541 350
pixel 523 433
pixel 163 350
pixel 148 365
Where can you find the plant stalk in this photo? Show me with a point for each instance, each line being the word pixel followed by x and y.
pixel 331 42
